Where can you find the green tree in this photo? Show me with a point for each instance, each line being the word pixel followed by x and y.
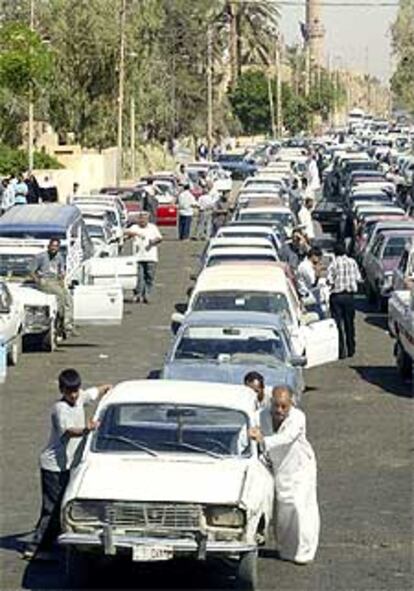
pixel 250 102
pixel 25 61
pixel 402 82
pixel 252 33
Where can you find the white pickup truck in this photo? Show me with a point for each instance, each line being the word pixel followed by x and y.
pixel 401 327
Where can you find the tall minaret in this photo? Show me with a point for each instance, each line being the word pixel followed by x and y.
pixel 316 31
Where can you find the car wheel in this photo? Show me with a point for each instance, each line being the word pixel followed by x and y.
pixel 49 339
pixel 247 570
pixel 404 363
pixel 14 353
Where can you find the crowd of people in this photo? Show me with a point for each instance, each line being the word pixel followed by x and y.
pixel 21 189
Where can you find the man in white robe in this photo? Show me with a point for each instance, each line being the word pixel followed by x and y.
pixel 294 467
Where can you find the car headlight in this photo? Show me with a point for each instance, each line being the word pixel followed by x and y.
pixel 225 517
pixel 35 314
pixel 84 511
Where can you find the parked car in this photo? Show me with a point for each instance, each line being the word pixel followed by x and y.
pixel 11 323
pixel 263 287
pixel 380 263
pixel 170 473
pixel 401 327
pixel 217 346
pixel 238 165
pixel 403 276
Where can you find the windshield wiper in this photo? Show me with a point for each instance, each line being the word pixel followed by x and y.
pixel 132 443
pixel 192 448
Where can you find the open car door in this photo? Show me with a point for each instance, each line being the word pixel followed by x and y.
pixel 321 342
pixel 121 270
pixel 98 305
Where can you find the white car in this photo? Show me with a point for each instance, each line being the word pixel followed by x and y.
pixel 11 323
pixel 170 473
pixel 103 240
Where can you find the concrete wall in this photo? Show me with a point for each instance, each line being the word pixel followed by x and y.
pixel 91 170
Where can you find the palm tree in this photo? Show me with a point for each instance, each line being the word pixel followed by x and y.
pixel 253 26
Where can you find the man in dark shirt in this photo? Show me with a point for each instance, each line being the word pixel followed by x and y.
pixel 48 272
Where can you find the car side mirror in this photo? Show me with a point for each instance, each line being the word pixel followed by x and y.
pixel 176 321
pixel 298 361
pixel 181 308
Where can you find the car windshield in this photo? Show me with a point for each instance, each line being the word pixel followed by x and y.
pixel 229 344
pixel 155 428
pixel 395 247
pixel 249 301
pixel 15 265
pixel 284 219
pixel 230 158
pixel 95 231
pixel 226 258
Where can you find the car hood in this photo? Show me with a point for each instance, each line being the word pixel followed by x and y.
pixel 30 296
pixel 137 478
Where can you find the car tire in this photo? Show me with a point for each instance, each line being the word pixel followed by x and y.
pixel 404 363
pixel 14 353
pixel 246 577
pixel 49 339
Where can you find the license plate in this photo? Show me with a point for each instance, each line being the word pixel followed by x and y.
pixel 152 553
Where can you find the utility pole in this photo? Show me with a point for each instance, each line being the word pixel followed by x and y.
pixel 307 69
pixel 210 90
pixel 234 66
pixel 132 135
pixel 272 107
pixel 121 84
pixel 30 131
pixel 279 109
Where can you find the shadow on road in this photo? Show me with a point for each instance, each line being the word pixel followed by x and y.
pixel 182 574
pixel 386 378
pixel 377 320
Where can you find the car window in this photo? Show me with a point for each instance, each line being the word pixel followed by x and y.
pixel 229 343
pixel 249 301
pixel 377 245
pixel 173 428
pixel 394 247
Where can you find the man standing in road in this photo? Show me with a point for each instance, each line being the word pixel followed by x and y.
pixel 305 218
pixel 48 272
pixel 343 277
pixel 294 468
pixel 146 237
pixel 68 429
pixel 293 251
pixel 186 206
pixel 308 274
pixel 255 381
pixel 206 204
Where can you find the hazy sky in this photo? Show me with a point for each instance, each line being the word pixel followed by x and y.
pixel 359 36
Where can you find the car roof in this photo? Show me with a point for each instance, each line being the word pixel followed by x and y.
pixel 48 218
pixel 230 229
pixel 239 241
pixel 268 209
pixel 247 277
pixel 242 250
pixel 182 392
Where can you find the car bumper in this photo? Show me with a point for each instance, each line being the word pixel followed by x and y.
pixel 109 544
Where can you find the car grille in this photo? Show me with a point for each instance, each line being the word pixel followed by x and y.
pixel 154 515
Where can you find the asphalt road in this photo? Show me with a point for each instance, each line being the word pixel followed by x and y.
pixel 360 421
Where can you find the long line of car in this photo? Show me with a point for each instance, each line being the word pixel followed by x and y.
pixel 243 313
